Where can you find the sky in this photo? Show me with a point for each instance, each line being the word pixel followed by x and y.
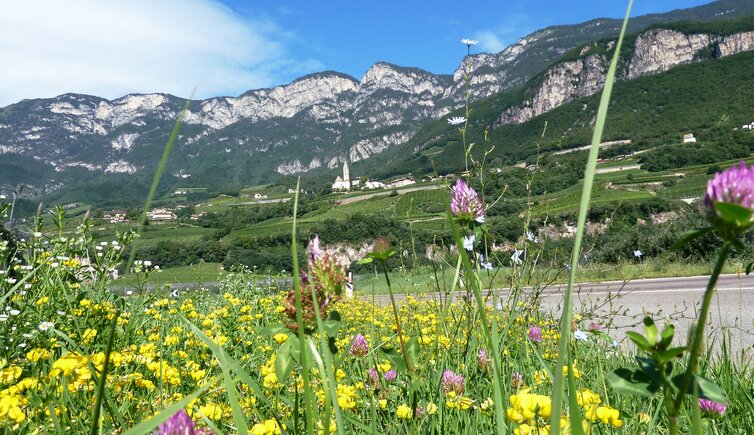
pixel 111 48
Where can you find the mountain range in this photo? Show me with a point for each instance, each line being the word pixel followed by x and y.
pixel 85 147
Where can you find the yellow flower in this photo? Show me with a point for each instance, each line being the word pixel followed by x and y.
pixel 525 407
pixel 608 415
pixel 383 403
pixel 89 335
pixel 403 412
pixel 431 408
pixel 280 337
pixel 644 417
pixel 269 427
pixel 587 397
pixel 212 411
pixel 9 374
pixel 43 300
pixel 37 354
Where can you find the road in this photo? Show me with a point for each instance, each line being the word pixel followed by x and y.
pixel 677 299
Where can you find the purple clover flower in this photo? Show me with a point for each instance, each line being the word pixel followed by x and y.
pixel 360 347
pixel 178 424
pixel 390 375
pixel 596 328
pixel 452 382
pixel 734 185
pixel 535 334
pixel 373 375
pixel 483 360
pixel 465 204
pixel 711 407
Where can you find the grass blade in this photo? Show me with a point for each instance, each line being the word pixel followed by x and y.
pixel 586 193
pixel 149 425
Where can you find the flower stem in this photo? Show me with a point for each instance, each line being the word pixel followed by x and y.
pixel 698 338
pixel 397 320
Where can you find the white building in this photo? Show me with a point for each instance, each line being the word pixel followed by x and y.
pixel 116 216
pixel 689 138
pixel 259 196
pixel 400 182
pixel 374 185
pixel 345 182
pixel 748 126
pixel 161 214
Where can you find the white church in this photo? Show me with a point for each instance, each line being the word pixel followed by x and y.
pixel 345 182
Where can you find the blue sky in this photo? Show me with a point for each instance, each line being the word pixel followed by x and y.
pixel 349 36
pixel 226 47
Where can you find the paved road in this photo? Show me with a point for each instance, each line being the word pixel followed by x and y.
pixel 625 304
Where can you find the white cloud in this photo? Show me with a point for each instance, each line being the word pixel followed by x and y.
pixel 490 42
pixel 112 48
pixel 510 29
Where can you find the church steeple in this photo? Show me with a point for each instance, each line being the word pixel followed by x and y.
pixel 346 174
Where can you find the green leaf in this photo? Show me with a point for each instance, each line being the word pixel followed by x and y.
pixel 733 212
pixel 283 362
pixel 671 353
pixel 365 260
pixel 639 340
pixel 706 389
pixel 632 381
pixel 331 327
pixel 690 236
pixel 749 267
pixel 412 349
pixel 274 329
pixel 667 336
pixel 650 330
pixel 395 358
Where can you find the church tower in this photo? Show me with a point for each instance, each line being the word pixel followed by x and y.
pixel 346 174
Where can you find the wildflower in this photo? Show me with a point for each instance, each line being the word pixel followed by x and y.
pixel 212 411
pixel 373 375
pixel 390 375
pixel 469 42
pixel 526 407
pixel 45 326
pixel 483 360
pixel 531 237
pixel 268 427
pixel 403 412
pixel 468 242
pixel 280 337
pixel 596 328
pixel 535 334
pixel 465 204
pixel 712 408
pixel 485 265
pixel 360 347
pixel 580 335
pixel 733 186
pixel 452 382
pixel 456 120
pixel 178 424
pixel 431 408
pixel 517 381
pixel 315 252
pixel 607 415
pixel 487 407
pixel 644 418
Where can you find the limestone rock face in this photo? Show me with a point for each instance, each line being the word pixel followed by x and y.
pixel 659 50
pixel 655 51
pixel 562 84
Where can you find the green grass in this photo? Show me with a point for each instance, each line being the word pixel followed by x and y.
pixel 198 273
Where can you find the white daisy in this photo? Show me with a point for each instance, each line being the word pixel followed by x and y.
pixel 456 120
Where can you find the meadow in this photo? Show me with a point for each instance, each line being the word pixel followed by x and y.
pixel 310 358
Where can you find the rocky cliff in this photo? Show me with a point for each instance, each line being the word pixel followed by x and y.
pixel 653 52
